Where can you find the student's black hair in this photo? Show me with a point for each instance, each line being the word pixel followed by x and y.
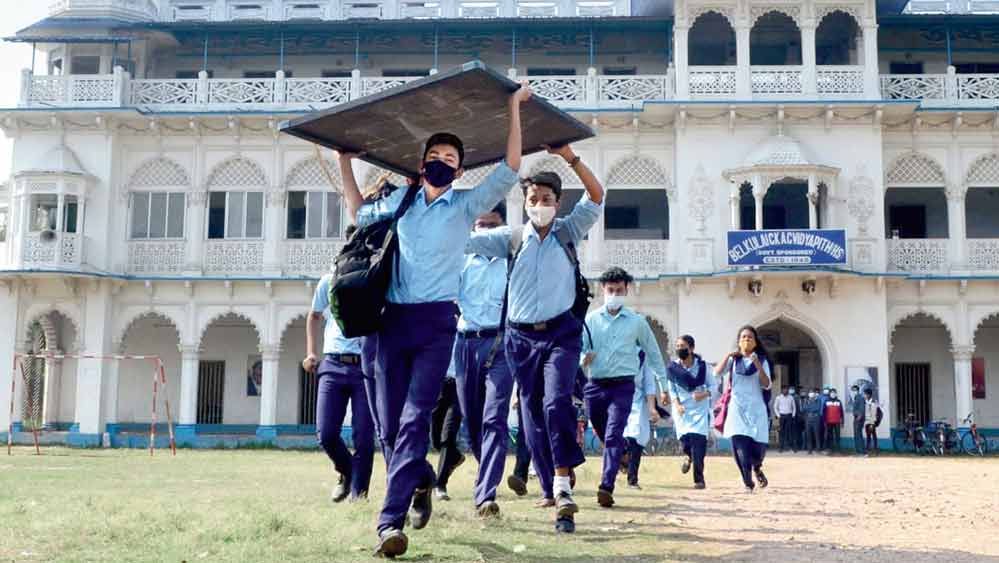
pixel 500 210
pixel 761 352
pixel 615 275
pixel 688 339
pixel 548 179
pixel 349 231
pixel 868 391
pixel 449 139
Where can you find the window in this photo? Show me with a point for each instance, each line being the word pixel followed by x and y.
pixel 43 212
pixel 404 72
pixel 551 72
pixel 235 215
pixel 86 65
pixel 620 70
pixel 189 74
pixel 981 209
pixel 637 214
pixel 70 214
pixel 336 74
pixel 157 215
pixel 905 68
pixel 314 215
pixel 261 74
pixel 56 68
pixel 976 68
pixel 916 213
pixel 3 224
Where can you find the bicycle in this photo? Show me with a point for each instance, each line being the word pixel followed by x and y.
pixel 910 437
pixel 943 437
pixel 971 441
pixel 663 442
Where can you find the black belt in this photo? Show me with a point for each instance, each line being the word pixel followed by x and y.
pixel 612 380
pixel 483 333
pixel 347 359
pixel 543 326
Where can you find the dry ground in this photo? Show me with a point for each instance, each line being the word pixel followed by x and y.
pixel 99 505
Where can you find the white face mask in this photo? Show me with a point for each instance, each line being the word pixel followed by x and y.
pixel 811 395
pixel 613 302
pixel 541 215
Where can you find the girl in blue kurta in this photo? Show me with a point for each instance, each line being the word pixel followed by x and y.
pixel 747 423
pixel 689 387
pixel 643 414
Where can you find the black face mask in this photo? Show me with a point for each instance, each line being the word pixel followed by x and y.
pixel 438 173
pixel 683 353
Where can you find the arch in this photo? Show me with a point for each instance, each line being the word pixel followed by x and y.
pixel 915 169
pixel 821 13
pixel 836 38
pixel 700 11
pixel 791 12
pixel 159 172
pixel 287 317
pixel 984 171
pixel 783 311
pixel 979 320
pixel 711 39
pixel 897 315
pixel 559 166
pixel 775 38
pixel 49 334
pixel 40 312
pixel 785 205
pixel 662 334
pixel 237 172
pixel 307 173
pixel 131 316
pixel 212 314
pixel 637 170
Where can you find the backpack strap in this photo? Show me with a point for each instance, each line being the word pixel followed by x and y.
pixel 568 245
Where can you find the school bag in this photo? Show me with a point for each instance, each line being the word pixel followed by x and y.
pixel 363 271
pixel 581 303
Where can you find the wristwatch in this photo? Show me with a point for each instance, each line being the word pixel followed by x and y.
pixel 575 160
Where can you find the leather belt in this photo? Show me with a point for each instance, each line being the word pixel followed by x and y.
pixel 483 333
pixel 347 359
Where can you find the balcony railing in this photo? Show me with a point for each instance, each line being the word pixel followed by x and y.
pixel 156 257
pixel 840 80
pixel 942 89
pixel 917 255
pixel 309 257
pixel 641 258
pixel 983 255
pixel 711 81
pixel 234 257
pixel 54 250
pixel 777 80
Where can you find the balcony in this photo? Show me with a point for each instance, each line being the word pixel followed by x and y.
pixel 157 257
pixel 309 257
pixel 241 257
pixel 921 256
pixel 126 9
pixel 952 7
pixel 943 90
pixel 641 258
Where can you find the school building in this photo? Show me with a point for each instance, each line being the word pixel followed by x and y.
pixel 154 207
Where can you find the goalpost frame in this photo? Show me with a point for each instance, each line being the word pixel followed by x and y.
pixel 159 378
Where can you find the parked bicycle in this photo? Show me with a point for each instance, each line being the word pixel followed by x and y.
pixel 942 437
pixel 910 437
pixel 663 442
pixel 972 442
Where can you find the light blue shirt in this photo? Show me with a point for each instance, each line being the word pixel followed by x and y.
pixel 431 237
pixel 480 298
pixel 747 413
pixel 638 426
pixel 452 370
pixel 542 284
pixel 334 342
pixel 614 340
pixel 696 417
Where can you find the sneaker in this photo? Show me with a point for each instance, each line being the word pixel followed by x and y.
pixel 544 502
pixel 699 485
pixel 391 542
pixel 565 525
pixel 342 489
pixel 517 485
pixel 635 486
pixel 760 477
pixel 441 493
pixel 564 505
pixel 422 509
pixel 488 509
pixel 605 498
pixel 685 468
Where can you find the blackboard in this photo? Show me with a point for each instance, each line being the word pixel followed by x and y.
pixel 470 101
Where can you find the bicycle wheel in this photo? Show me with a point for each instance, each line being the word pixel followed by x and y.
pixel 922 443
pixel 973 446
pixel 901 443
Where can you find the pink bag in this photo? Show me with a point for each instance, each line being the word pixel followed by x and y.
pixel 721 407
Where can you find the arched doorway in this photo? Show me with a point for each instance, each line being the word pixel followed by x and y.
pixel 984 377
pixel 794 355
pixel 923 369
pixel 786 205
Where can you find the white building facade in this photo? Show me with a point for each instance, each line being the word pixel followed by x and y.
pixel 154 207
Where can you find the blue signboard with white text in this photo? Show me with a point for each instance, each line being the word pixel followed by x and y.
pixel 787 247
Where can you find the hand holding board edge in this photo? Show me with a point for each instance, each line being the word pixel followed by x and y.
pixel 389 128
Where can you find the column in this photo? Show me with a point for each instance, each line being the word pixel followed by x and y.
pixel 733 205
pixel 187 419
pixel 196 206
pixel 743 73
pixel 18 398
pixel 813 202
pixel 809 69
pixel 872 86
pixel 759 191
pixel 270 355
pixel 52 385
pixel 272 230
pixel 962 383
pixel 680 60
pixel 111 390
pixel 956 226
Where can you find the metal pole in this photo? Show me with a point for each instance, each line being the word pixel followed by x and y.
pixel 947 30
pixel 204 55
pixel 436 39
pixel 281 56
pixel 32 58
pixel 114 55
pixel 128 53
pixel 513 49
pixel 357 49
pixel 591 45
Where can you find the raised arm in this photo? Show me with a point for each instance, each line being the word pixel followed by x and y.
pixel 594 189
pixel 514 143
pixel 351 193
pixel 721 366
pixel 493 243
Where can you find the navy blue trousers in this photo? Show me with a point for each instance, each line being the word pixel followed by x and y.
pixel 544 364
pixel 411 361
pixel 484 394
pixel 608 404
pixel 445 421
pixel 695 445
pixel 340 384
pixel 748 455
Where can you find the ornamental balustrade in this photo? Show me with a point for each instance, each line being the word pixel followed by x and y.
pixel 641 258
pixel 156 257
pixel 309 257
pixel 51 250
pixel 983 255
pixel 917 255
pixel 711 81
pixel 942 89
pixel 241 257
pixel 840 80
pixel 776 80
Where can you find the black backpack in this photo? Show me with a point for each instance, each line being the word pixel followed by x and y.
pixel 581 304
pixel 363 271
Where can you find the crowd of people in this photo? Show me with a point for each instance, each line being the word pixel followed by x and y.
pixel 481 315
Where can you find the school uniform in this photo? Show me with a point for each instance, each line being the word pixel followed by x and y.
pixel 542 340
pixel 444 427
pixel 813 423
pixel 609 393
pixel 340 381
pixel 483 376
pixel 693 426
pixel 415 342
pixel 637 430
pixel 747 423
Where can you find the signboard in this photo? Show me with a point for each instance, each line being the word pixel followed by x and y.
pixel 978 378
pixel 392 126
pixel 790 247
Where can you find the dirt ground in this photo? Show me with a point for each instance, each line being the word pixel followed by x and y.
pixel 818 508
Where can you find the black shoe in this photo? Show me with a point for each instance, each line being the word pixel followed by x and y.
pixel 391 542
pixel 342 489
pixel 488 509
pixel 441 493
pixel 699 485
pixel 422 509
pixel 605 498
pixel 572 478
pixel 565 506
pixel 517 485
pixel 685 468
pixel 760 477
pixel 565 525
